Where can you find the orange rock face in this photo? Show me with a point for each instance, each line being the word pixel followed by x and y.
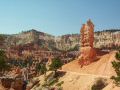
pixel 87 51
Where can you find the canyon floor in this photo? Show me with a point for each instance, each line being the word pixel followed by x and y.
pixel 77 78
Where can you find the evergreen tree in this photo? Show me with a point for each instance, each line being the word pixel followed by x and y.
pixel 116 66
pixel 41 68
pixel 56 64
pixel 3 65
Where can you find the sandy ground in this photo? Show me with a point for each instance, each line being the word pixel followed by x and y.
pixel 77 81
pixel 77 78
pixel 101 67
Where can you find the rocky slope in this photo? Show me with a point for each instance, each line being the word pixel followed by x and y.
pixel 101 67
pixel 66 42
pixel 76 78
pixel 107 39
pixel 103 39
pixel 31 36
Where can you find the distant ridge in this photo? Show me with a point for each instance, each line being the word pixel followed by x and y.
pixel 109 30
pixel 66 42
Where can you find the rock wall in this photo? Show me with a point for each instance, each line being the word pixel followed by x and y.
pixel 67 42
pixel 107 39
pixel 103 39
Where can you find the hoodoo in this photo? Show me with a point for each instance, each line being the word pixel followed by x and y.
pixel 87 51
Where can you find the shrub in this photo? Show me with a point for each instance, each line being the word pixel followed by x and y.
pixel 116 80
pixel 60 83
pixel 99 85
pixel 116 66
pixel 3 64
pixel 117 55
pixel 52 82
pixel 56 64
pixel 41 68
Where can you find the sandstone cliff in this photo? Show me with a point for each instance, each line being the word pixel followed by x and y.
pixel 103 39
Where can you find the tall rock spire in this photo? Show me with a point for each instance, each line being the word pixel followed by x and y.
pixel 87 52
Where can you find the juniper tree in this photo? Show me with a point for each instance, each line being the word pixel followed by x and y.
pixel 3 64
pixel 56 64
pixel 116 66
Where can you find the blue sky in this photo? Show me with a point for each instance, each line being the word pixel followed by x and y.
pixel 57 17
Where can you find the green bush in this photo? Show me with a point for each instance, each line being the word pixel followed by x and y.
pixel 116 80
pixel 117 55
pixel 3 64
pixel 60 83
pixel 52 82
pixel 99 85
pixel 116 66
pixel 56 64
pixel 41 68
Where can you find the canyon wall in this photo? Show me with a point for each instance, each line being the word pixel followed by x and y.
pixel 107 39
pixel 103 39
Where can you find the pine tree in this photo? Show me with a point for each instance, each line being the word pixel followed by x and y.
pixel 116 66
pixel 3 65
pixel 56 64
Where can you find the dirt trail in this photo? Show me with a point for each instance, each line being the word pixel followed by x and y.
pixel 101 67
pixel 77 78
pixel 79 81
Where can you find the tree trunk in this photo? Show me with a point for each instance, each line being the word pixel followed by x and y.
pixel 55 73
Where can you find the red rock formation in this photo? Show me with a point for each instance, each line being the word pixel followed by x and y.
pixel 87 52
pixel 33 51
